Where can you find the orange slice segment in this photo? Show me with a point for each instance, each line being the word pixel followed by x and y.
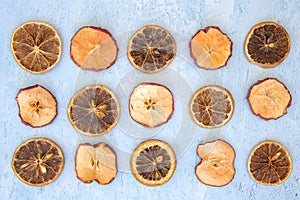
pixel 93 48
pixel 210 48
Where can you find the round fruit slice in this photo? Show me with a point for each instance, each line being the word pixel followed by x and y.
pixel 151 104
pixel 269 98
pixel 153 162
pixel 151 49
pixel 38 162
pixel 267 44
pixel 93 48
pixel 269 163
pixel 37 106
pixel 211 106
pixel 210 48
pixel 36 47
pixel 95 162
pixel 217 163
pixel 94 110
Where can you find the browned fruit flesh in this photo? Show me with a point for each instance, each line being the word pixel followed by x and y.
pixel 36 47
pixel 210 48
pixel 95 162
pixel 217 163
pixel 151 49
pixel 269 98
pixel 269 163
pixel 94 110
pixel 212 106
pixel 93 48
pixel 267 44
pixel 37 106
pixel 153 162
pixel 151 104
pixel 38 161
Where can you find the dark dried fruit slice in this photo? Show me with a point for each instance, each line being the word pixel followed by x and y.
pixel 36 47
pixel 151 104
pixel 153 162
pixel 211 106
pixel 94 110
pixel 269 98
pixel 151 49
pixel 38 162
pixel 96 162
pixel 37 106
pixel 267 44
pixel 210 48
pixel 93 48
pixel 216 167
pixel 269 163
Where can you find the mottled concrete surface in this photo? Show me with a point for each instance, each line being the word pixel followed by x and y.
pixel 183 19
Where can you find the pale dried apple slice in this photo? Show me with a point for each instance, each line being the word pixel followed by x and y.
pixel 216 167
pixel 151 104
pixel 96 162
pixel 269 98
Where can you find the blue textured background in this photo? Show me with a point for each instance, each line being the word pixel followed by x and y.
pixel 183 19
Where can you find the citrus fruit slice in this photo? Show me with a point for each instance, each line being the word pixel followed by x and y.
pixel 38 161
pixel 216 167
pixel 37 106
pixel 153 162
pixel 94 110
pixel 151 49
pixel 36 47
pixel 210 48
pixel 95 162
pixel 93 48
pixel 267 44
pixel 211 106
pixel 269 98
pixel 269 163
pixel 151 104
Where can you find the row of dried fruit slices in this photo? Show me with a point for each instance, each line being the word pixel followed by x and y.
pixel 94 110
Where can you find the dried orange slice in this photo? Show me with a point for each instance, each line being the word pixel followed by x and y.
pixel 217 163
pixel 36 47
pixel 151 49
pixel 153 162
pixel 267 44
pixel 94 110
pixel 210 48
pixel 211 106
pixel 151 104
pixel 38 161
pixel 37 106
pixel 96 162
pixel 93 48
pixel 269 163
pixel 269 98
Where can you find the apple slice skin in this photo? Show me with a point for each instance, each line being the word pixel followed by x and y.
pixel 96 146
pixel 201 163
pixel 261 81
pixel 205 30
pixel 104 31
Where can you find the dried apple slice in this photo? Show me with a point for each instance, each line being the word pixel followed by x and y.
pixel 96 162
pixel 210 48
pixel 269 163
pixel 153 162
pixel 267 44
pixel 151 104
pixel 37 106
pixel 93 48
pixel 269 98
pixel 216 167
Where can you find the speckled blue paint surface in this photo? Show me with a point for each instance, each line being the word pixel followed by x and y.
pixel 182 19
